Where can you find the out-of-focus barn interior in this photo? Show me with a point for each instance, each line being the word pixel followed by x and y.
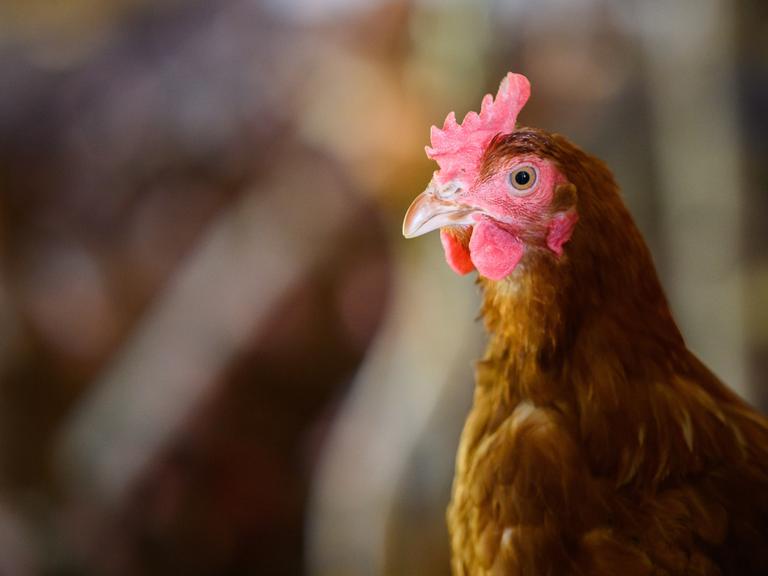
pixel 217 354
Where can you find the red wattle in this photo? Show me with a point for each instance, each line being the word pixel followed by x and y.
pixel 456 254
pixel 494 251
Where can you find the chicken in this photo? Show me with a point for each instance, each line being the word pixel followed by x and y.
pixel 597 443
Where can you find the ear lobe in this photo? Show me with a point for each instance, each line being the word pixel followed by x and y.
pixel 560 230
pixel 565 218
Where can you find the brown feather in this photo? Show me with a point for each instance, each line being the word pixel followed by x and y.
pixel 597 443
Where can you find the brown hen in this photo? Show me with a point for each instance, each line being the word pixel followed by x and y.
pixel 598 444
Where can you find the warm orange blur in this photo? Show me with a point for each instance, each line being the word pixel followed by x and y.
pixel 217 354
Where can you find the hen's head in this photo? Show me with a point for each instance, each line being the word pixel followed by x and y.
pixel 499 191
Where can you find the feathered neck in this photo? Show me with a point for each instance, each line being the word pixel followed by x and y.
pixel 604 288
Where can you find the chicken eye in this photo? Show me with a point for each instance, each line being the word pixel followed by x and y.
pixel 523 178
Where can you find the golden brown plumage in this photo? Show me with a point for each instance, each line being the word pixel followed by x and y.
pixel 597 443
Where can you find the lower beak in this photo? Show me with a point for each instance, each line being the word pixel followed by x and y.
pixel 429 212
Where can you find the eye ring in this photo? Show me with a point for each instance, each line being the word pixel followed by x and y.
pixel 522 179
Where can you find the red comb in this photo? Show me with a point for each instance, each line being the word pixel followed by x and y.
pixel 458 148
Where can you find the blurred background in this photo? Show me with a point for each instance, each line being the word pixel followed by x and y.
pixel 217 354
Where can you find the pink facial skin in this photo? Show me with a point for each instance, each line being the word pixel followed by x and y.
pixel 524 211
pixel 507 219
pixel 510 220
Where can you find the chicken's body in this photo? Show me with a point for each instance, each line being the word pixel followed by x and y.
pixel 597 444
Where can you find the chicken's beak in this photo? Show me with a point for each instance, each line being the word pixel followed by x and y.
pixel 433 209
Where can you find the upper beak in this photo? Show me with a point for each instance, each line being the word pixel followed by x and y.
pixel 432 210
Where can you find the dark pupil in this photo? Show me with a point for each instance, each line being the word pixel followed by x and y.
pixel 522 178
